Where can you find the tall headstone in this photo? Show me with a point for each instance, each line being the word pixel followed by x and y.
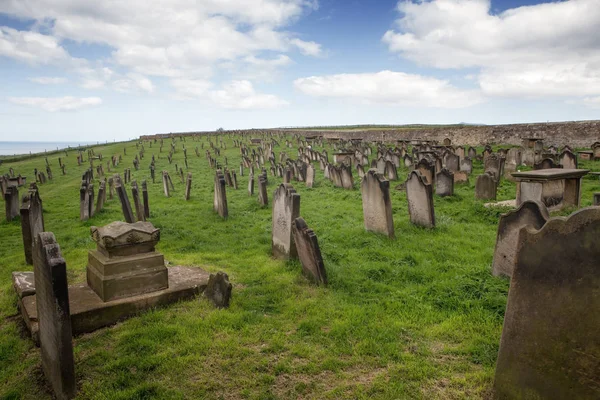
pixel 32 220
pixel 251 185
pixel 188 186
pixel 220 198
pixel 419 196
pixel 165 181
pixel 309 252
pixel 54 316
pixel 310 176
pixel 550 345
pixel 377 204
pixel 263 197
pixel 125 204
pixel 529 213
pixel 139 208
pixel 286 208
pixel 145 199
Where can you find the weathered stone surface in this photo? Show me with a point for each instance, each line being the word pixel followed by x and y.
pixel 419 196
pixel 165 181
pixel 310 176
pixel 263 196
pixel 145 199
pixel 124 200
pixel 89 312
pixel 444 183
pixel 23 283
pixel 54 319
pixel 426 169
pixel 568 160
pixel 11 202
pixel 220 197
pixel 309 252
pixel 218 290
pixel 550 346
pixel 32 220
pixel 530 213
pixel 461 177
pixel 188 186
pixel 377 204
pixel 119 239
pixel 485 187
pixel 452 162
pixel 286 208
pixel 139 208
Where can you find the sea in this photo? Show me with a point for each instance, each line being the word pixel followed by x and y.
pixel 18 148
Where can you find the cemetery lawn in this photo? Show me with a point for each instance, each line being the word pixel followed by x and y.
pixel 419 316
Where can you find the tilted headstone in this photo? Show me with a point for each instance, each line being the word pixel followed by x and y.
pixel 263 196
pixel 377 204
pixel 124 200
pixel 419 195
pixel 145 199
pixel 529 213
pixel 485 187
pixel 309 252
pixel 32 220
pixel 165 181
pixel 220 198
pixel 137 202
pixel 444 183
pixel 54 316
pixel 310 176
pixel 550 345
pixel 251 185
pixel 11 202
pixel 286 208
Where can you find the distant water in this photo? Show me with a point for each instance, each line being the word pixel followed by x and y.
pixel 14 148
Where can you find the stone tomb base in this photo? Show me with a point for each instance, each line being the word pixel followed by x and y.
pixel 89 312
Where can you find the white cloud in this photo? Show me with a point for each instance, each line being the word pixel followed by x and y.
pixel 388 87
pixel 134 83
pixel 30 47
pixel 239 94
pixel 548 49
pixel 592 102
pixel 47 80
pixel 307 48
pixel 177 38
pixel 54 104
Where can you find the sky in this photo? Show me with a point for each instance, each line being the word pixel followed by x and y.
pixel 114 69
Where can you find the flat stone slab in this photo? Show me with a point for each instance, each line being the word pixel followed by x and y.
pixel 24 283
pixel 551 173
pixel 505 203
pixel 89 312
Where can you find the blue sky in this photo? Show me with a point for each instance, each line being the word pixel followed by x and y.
pixel 73 70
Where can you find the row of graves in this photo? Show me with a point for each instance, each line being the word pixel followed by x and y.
pixel 550 346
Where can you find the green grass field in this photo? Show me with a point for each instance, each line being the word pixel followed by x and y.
pixel 415 317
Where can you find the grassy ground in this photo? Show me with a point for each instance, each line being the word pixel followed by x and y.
pixel 415 317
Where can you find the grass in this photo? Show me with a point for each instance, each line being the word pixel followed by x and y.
pixel 415 317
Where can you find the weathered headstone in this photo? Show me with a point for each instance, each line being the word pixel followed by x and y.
pixel 309 252
pixel 54 316
pixel 485 187
pixel 145 199
pixel 310 176
pixel 251 185
pixel 568 160
pixel 218 290
pixel 11 202
pixel 165 181
pixel 220 198
pixel 137 202
pixel 32 220
pixel 550 346
pixel 444 183
pixel 188 186
pixel 419 195
pixel 529 213
pixel 286 208
pixel 125 204
pixel 263 197
pixel 377 204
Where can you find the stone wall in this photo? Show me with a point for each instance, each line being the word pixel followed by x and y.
pixel 579 134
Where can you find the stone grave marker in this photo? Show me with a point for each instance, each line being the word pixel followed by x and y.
pixel 218 290
pixel 165 180
pixel 444 183
pixel 263 197
pixel 310 176
pixel 220 198
pixel 54 316
pixel 286 208
pixel 124 200
pixel 145 199
pixel 377 204
pixel 419 196
pixel 11 202
pixel 529 213
pixel 188 186
pixel 550 346
pixel 309 252
pixel 485 187
pixel 137 202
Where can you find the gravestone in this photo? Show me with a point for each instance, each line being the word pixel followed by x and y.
pixel 452 162
pixel 529 213
pixel 466 165
pixel 494 164
pixel 165 180
pixel 426 169
pixel 54 316
pixel 32 220
pixel 125 263
pixel 218 290
pixel 250 184
pixel 550 345
pixel 310 176
pixel 309 252
pixel 220 198
pixel 485 187
pixel 286 208
pixel 390 171
pixel 568 160
pixel 124 200
pixel 139 208
pixel 471 153
pixel 377 204
pixel 11 202
pixel 101 196
pixel 188 186
pixel 444 183
pixel 419 196
pixel 263 197
pixel 145 199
